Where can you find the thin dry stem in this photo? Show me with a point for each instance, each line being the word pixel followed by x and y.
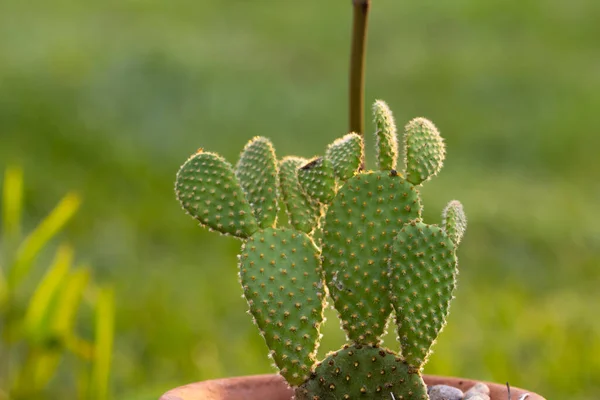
pixel 357 67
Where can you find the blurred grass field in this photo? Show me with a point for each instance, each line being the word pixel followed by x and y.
pixel 109 98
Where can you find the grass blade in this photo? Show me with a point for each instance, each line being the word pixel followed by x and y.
pixel 12 201
pixel 3 292
pixel 105 316
pixel 83 380
pixel 68 302
pixel 44 297
pixel 44 368
pixel 45 231
pixel 80 347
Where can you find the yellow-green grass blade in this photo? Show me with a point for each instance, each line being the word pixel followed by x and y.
pixel 105 315
pixel 45 365
pixel 79 347
pixel 3 292
pixel 69 301
pixel 12 200
pixel 35 241
pixel 40 304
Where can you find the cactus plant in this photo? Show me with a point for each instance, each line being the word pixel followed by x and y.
pixel 356 236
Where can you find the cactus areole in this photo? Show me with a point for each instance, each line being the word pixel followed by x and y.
pixel 354 236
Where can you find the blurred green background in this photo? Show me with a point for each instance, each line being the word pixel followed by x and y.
pixel 109 98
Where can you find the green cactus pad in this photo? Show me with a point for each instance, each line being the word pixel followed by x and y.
pixel 386 136
pixel 317 179
pixel 257 172
pixel 425 150
pixel 209 191
pixel 423 276
pixel 281 276
pixel 363 372
pixel 366 214
pixel 454 221
pixel 303 213
pixel 346 155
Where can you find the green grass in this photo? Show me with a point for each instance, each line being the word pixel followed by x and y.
pixel 109 98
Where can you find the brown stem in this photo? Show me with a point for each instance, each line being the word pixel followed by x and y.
pixel 357 66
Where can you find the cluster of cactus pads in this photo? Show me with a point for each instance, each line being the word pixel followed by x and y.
pixel 352 235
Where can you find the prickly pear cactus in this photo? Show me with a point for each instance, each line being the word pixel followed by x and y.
pixel 366 214
pixel 423 276
pixel 279 268
pixel 303 213
pixel 385 135
pixel 280 273
pixel 363 372
pixel 356 234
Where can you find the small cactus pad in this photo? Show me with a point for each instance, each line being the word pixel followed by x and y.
pixel 257 172
pixel 208 190
pixel 363 372
pixel 423 276
pixel 346 155
pixel 281 276
pixel 454 221
pixel 366 214
pixel 425 150
pixel 317 179
pixel 386 136
pixel 303 213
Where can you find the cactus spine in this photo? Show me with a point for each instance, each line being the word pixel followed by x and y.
pixel 357 233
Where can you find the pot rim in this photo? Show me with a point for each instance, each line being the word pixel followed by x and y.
pixel 274 387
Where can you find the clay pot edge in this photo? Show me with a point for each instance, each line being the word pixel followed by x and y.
pixel 274 387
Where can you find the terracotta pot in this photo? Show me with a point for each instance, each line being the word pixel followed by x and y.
pixel 273 387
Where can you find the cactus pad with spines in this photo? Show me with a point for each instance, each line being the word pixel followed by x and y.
pixel 386 136
pixel 303 213
pixel 281 276
pixel 209 191
pixel 257 173
pixel 376 255
pixel 361 222
pixel 317 179
pixel 346 155
pixel 454 221
pixel 424 149
pixel 423 276
pixel 363 372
